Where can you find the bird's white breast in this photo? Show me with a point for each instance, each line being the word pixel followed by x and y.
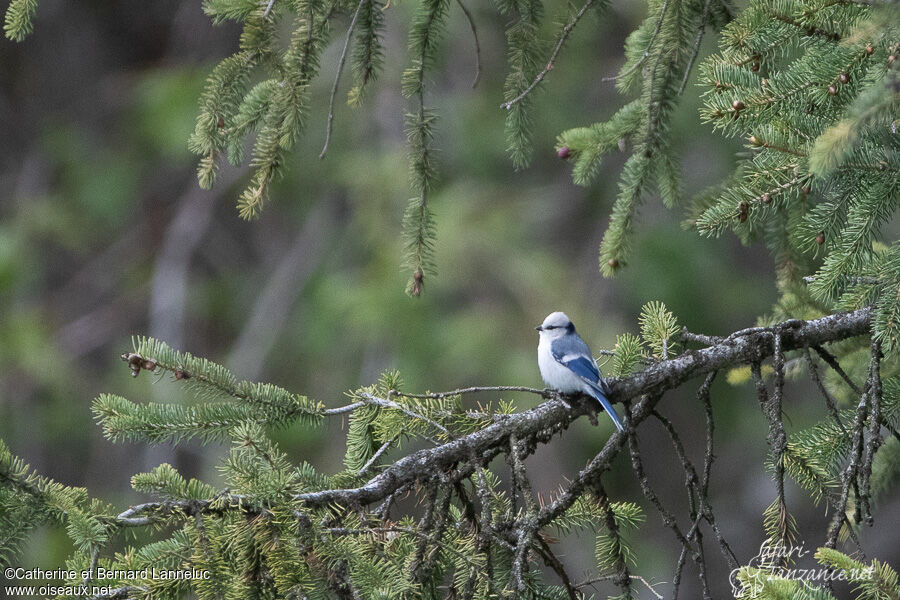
pixel 554 374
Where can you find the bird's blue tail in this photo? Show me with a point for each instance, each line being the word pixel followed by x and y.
pixel 600 395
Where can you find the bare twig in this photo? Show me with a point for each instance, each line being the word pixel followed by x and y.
pixel 623 576
pixel 829 358
pixel 337 76
pixel 646 55
pixel 546 393
pixel 696 51
pixel 471 21
pixel 829 401
pixel 365 468
pixel 637 465
pixel 707 340
pixel 388 403
pixel 561 40
pixel 849 474
pixel 603 578
pixel 874 441
pixel 343 409
pixel 95 557
pixel 557 566
pixel 778 439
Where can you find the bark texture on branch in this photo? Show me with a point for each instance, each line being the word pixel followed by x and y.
pixel 543 421
pixel 555 414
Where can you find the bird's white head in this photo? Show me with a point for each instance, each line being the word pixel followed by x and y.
pixel 555 326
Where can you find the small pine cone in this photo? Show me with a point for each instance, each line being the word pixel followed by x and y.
pixel 844 78
pixel 766 198
pixel 221 123
pixel 820 239
pixel 737 105
pixel 870 50
pixel 613 264
pixel 832 90
pixel 563 152
pixel 135 362
pixel 744 212
pixel 418 282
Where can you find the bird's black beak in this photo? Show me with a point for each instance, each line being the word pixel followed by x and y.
pixel 539 328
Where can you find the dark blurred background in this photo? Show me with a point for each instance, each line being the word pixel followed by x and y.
pixel 104 233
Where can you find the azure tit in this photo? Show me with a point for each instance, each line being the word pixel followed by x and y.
pixel 567 365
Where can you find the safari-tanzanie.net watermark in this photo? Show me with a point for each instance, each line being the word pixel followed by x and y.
pixel 777 561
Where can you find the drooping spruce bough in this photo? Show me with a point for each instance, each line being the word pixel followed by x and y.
pixel 811 85
pixel 280 530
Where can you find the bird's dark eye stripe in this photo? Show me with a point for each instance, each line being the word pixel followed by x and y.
pixel 551 327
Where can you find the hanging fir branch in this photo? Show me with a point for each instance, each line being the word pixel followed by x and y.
pixel 809 84
pixel 368 54
pixel 660 55
pixel 418 224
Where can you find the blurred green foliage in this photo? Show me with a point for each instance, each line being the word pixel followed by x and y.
pixel 97 177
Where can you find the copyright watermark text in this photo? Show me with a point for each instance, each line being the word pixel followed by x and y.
pixel 35 581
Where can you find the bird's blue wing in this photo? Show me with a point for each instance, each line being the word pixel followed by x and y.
pixel 582 366
pixel 575 356
pixel 571 352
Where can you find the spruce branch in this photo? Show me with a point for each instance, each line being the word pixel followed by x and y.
pixel 556 414
pixel 561 38
pixel 543 421
pixel 279 510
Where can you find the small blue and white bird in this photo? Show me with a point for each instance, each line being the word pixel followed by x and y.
pixel 567 365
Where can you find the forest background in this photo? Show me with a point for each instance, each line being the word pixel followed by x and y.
pixel 104 233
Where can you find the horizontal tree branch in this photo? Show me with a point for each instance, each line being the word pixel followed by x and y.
pixel 556 414
pixel 743 347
